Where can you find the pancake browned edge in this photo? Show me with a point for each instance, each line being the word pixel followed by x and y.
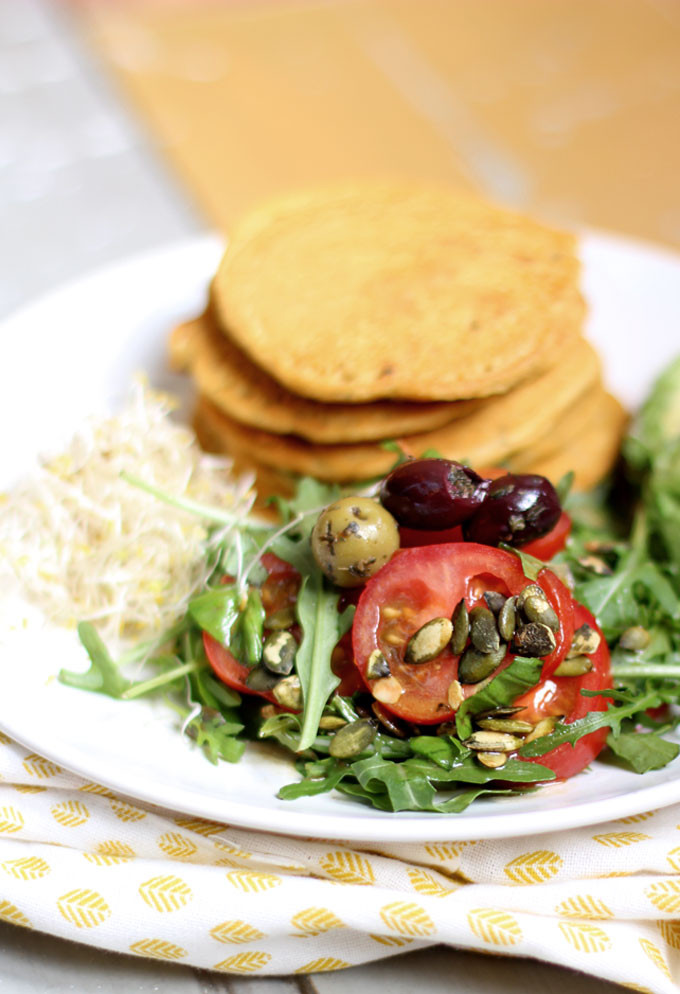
pixel 248 394
pixel 364 292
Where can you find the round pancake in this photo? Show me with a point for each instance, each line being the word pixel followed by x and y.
pixel 488 436
pixel 363 292
pixel 235 385
pixel 590 455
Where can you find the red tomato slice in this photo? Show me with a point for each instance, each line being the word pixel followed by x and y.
pixel 427 582
pixel 562 696
pixel 549 545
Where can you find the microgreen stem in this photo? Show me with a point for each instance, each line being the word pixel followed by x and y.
pixel 207 511
pixel 158 681
pixel 640 671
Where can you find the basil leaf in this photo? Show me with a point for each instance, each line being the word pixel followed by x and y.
pixel 215 612
pixel 503 689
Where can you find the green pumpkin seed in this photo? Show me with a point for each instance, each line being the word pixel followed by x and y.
pixel 353 739
pixel 533 640
pixel 492 742
pixel 288 692
pixel 278 652
pixel 483 631
pixel 475 666
pixel 585 641
pixel 429 641
pixel 454 695
pixel 503 711
pixel 538 609
pixel 377 666
pixel 635 639
pixel 461 627
pixel 574 666
pixel 494 601
pixel 387 689
pixel 512 725
pixel 331 722
pixel 283 618
pixel 507 619
pixel 389 722
pixel 531 590
pixel 492 760
pixel 262 679
pixel 544 727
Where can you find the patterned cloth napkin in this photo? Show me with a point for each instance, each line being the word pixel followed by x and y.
pixel 80 862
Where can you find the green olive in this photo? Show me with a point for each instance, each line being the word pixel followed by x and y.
pixel 352 539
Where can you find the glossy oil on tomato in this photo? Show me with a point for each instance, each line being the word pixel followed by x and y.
pixel 561 696
pixel 420 584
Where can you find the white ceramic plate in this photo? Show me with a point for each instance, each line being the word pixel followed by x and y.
pixel 76 351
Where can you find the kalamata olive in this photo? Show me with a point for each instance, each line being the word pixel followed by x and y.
pixel 516 510
pixel 432 493
pixel 352 539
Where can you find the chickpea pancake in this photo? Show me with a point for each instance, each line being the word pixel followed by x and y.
pixel 363 292
pixel 246 393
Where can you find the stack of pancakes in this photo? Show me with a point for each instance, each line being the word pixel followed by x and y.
pixel 349 317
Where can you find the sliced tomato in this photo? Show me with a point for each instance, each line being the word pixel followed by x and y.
pixel 562 696
pixel 427 582
pixel 549 545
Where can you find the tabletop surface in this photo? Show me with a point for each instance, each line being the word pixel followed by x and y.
pixel 84 184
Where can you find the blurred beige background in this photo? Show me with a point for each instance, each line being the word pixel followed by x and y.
pixel 566 108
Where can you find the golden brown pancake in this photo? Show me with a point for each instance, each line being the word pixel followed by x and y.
pixel 371 291
pixel 246 393
pixel 488 436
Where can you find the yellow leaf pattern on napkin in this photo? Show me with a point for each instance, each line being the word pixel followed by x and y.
pixel 407 918
pixel 252 881
pixel 498 928
pixel 177 846
pixel 11 820
pixel 584 937
pixel 315 921
pixel 110 853
pixel 665 895
pixel 70 814
pixel 243 962
pixel 670 932
pixel 236 932
pixel 533 867
pixel 165 893
pixel 10 913
pixel 584 907
pixel 126 812
pixel 84 908
pixel 348 868
pixel 390 940
pixel 158 949
pixel 656 956
pixel 425 883
pixel 27 868
pixel 323 965
pixel 38 766
pixel 616 840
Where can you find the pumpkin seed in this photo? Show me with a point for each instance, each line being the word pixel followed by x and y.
pixel 483 631
pixel 377 665
pixel 278 652
pixel 503 711
pixel 574 666
pixel 513 725
pixel 475 665
pixel 533 640
pixel 388 690
pixel 352 739
pixel 331 722
pixel 486 741
pixel 585 641
pixel 507 619
pixel 531 590
pixel 461 627
pixel 538 609
pixel 268 711
pixel 389 722
pixel 288 692
pixel 446 728
pixel 543 727
pixel 261 679
pixel 635 638
pixel 494 601
pixel 283 618
pixel 595 565
pixel 429 641
pixel 492 760
pixel 454 695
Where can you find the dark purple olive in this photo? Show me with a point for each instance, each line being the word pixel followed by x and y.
pixel 517 509
pixel 432 494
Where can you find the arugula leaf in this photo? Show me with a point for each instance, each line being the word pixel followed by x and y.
pixel 216 610
pixel 246 635
pixel 510 683
pixel 643 751
pixel 531 566
pixel 322 628
pixel 216 736
pixel 102 676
